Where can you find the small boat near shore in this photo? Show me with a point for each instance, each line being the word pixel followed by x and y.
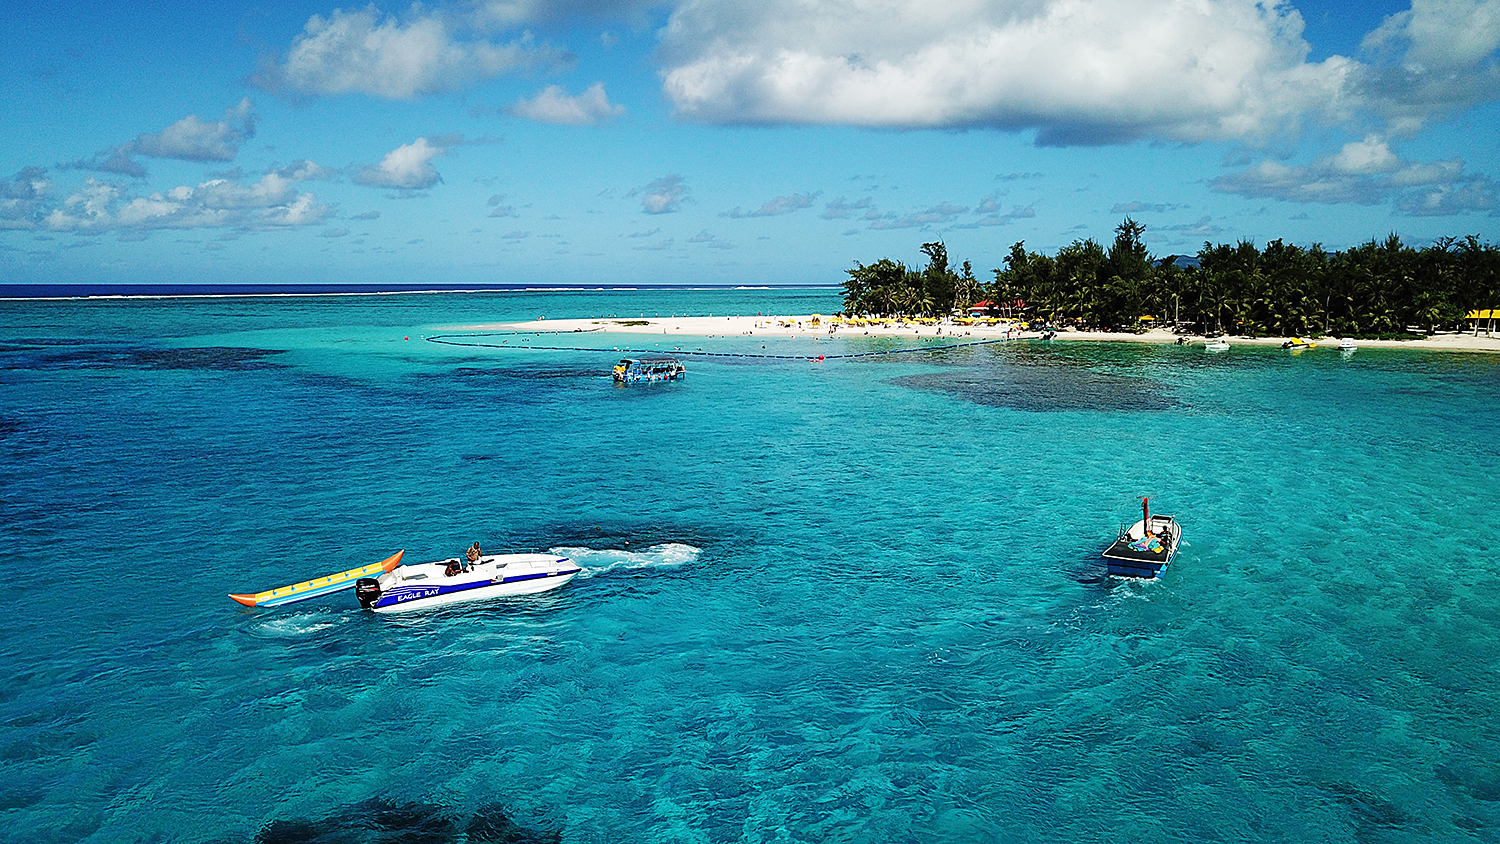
pixel 1297 344
pixel 1347 345
pixel 1144 549
pixel 1217 344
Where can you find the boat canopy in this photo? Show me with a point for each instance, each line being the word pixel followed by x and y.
pixel 649 369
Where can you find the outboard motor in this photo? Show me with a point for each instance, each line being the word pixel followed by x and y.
pixel 367 590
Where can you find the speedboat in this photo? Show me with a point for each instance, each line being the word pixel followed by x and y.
pixel 1218 344
pixel 1347 345
pixel 1297 344
pixel 454 581
pixel 1144 549
pixel 388 586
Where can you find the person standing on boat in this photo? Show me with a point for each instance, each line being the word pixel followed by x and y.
pixel 473 555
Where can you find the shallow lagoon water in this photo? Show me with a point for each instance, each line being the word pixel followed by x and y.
pixel 857 600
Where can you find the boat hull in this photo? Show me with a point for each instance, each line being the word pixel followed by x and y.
pixel 427 585
pixel 1126 557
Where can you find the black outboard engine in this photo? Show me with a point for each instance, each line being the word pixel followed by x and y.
pixel 367 590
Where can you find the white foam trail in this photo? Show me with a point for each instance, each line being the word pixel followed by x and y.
pixel 300 624
pixel 600 560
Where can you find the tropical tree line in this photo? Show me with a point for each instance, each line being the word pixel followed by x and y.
pixel 1375 289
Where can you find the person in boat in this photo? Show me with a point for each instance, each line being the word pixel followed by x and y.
pixel 471 557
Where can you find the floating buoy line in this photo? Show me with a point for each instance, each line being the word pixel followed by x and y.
pixel 468 340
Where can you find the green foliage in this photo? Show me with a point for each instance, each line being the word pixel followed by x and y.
pixel 1375 289
pixel 888 287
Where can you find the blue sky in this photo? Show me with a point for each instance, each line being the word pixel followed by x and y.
pixel 723 141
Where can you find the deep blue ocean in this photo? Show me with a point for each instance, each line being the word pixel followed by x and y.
pixel 852 601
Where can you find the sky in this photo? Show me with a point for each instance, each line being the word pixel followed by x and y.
pixel 714 142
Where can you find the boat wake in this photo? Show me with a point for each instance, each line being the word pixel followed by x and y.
pixel 298 624
pixel 595 561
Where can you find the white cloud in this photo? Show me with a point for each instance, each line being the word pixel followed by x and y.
pixel 192 139
pixel 508 13
pixel 1368 172
pixel 406 168
pixel 663 196
pixel 1434 58
pixel 1203 227
pixel 842 209
pixel 776 206
pixel 100 206
pixel 1077 71
pixel 553 105
pixel 363 52
pixel 997 219
pixel 1138 207
pixel 306 171
pixel 712 242
pixel 22 197
pixel 936 215
pixel 189 139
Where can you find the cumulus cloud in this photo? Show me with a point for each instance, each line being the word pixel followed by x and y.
pixel 707 239
pixel 405 168
pixel 189 139
pixel 497 202
pixel 843 209
pixel 1368 172
pixel 1201 228
pixel 1437 57
pixel 192 139
pixel 1077 71
pixel 508 13
pixel 997 219
pixel 554 105
pixel 776 206
pixel 1138 207
pixel 22 197
pixel 306 171
pixel 100 206
pixel 936 215
pixel 364 52
pixel 663 196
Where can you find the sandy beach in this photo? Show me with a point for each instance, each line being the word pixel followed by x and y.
pixel 822 326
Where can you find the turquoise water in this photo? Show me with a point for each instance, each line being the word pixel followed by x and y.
pixel 850 601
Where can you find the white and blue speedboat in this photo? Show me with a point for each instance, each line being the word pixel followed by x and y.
pixel 388 586
pixel 454 581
